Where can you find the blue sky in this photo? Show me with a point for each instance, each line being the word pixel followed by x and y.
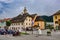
pixel 12 8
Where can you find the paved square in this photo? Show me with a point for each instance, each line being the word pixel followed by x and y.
pixel 55 36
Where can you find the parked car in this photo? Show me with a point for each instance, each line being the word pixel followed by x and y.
pixel 11 31
pixel 3 31
pixel 17 33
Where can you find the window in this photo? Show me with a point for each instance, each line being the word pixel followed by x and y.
pixel 22 23
pixel 14 23
pixel 56 21
pixel 55 17
pixel 26 23
pixel 29 23
pixel 12 28
pixel 18 27
pixel 26 19
pixel 29 19
pixel 18 23
pixel 59 24
pixel 11 24
pixel 38 24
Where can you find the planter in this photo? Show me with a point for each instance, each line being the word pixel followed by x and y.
pixel 24 33
pixel 48 33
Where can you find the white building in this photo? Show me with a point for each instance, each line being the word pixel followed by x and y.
pixel 22 21
pixel 49 23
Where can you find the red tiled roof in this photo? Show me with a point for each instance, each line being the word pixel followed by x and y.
pixel 5 19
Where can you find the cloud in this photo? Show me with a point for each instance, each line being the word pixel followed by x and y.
pixel 6 1
pixel 45 7
pixel 11 8
pixel 11 13
pixel 31 1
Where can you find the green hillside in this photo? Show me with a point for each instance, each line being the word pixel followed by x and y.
pixel 47 18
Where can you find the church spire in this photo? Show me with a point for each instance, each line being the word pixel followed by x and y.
pixel 25 10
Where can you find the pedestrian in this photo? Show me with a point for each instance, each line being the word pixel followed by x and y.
pixel 17 33
pixel 39 32
pixel 19 30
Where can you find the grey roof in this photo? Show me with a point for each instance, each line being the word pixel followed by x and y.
pixel 57 13
pixel 21 18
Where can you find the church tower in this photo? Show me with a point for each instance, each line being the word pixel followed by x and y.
pixel 25 10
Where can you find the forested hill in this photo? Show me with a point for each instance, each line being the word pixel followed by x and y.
pixel 47 18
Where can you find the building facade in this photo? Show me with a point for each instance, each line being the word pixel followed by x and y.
pixel 23 20
pixel 19 24
pixel 56 19
pixel 3 22
pixel 39 22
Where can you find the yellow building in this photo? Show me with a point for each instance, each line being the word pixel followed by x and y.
pixel 56 19
pixel 39 21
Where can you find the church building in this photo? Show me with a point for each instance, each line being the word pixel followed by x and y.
pixel 23 20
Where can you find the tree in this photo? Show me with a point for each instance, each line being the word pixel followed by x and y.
pixel 8 23
pixel 50 27
pixel 45 24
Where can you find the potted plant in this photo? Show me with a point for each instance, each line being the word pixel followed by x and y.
pixel 48 33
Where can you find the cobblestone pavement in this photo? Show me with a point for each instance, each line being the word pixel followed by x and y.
pixel 54 36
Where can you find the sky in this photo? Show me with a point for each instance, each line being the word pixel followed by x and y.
pixel 12 8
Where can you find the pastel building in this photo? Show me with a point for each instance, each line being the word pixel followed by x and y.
pixel 56 19
pixel 3 22
pixel 40 22
pixel 23 20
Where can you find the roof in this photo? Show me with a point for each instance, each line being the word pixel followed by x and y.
pixel 21 18
pixel 33 15
pixel 5 19
pixel 57 13
pixel 38 18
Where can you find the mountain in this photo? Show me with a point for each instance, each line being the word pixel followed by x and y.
pixel 47 18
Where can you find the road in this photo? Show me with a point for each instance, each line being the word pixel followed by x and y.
pixel 54 36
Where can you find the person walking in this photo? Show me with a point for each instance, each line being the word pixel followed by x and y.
pixel 39 32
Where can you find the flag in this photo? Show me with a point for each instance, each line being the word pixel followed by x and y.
pixel 32 21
